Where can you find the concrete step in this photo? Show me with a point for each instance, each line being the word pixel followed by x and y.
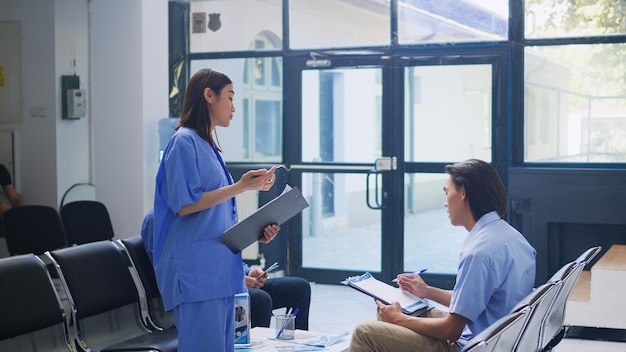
pixel 597 299
pixel 581 292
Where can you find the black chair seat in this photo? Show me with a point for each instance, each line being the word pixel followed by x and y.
pixel 33 318
pixel 105 300
pixel 163 341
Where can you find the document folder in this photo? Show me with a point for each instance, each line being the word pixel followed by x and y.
pixel 387 294
pixel 277 211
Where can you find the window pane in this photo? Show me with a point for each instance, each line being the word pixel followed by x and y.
pixel 574 18
pixel 458 129
pixel 452 21
pixel 217 25
pixel 338 23
pixel 257 121
pixel 334 103
pixel 575 105
pixel 267 128
pixel 426 221
pixel 337 222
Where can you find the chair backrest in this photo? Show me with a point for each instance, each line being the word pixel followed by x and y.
pixel 33 229
pixel 78 191
pixel 33 317
pixel 539 301
pixel 566 277
pixel 140 260
pixel 502 335
pixel 86 221
pixel 587 256
pixel 102 293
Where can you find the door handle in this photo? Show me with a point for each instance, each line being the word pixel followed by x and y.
pixel 378 203
pixel 382 164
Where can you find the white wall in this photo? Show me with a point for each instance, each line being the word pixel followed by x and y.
pixel 71 45
pixel 130 89
pixel 36 147
pixel 121 51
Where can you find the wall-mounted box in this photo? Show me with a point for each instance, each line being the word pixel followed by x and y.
pixel 70 85
pixel 76 103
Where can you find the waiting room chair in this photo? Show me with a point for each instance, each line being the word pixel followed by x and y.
pixel 33 229
pixel 157 316
pixel 86 221
pixel 105 301
pixel 567 276
pixel 501 335
pixel 32 315
pixel 587 256
pixel 539 301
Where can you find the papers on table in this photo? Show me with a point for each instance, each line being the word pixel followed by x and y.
pixel 264 340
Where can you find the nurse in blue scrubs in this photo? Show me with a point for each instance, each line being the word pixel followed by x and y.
pixel 194 204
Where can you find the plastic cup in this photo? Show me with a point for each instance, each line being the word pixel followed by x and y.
pixel 285 327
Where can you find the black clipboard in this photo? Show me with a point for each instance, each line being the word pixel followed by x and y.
pixel 277 211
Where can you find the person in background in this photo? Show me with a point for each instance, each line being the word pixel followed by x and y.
pixel 280 292
pixel 496 270
pixel 266 294
pixel 14 199
pixel 194 204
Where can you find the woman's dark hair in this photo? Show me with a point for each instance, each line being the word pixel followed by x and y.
pixel 195 112
pixel 483 187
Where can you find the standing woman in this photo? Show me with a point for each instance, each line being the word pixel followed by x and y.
pixel 194 204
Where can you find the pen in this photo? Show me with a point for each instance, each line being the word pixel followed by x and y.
pixel 281 166
pixel 412 274
pixel 295 311
pixel 271 267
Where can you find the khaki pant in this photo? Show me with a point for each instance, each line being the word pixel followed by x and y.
pixel 379 336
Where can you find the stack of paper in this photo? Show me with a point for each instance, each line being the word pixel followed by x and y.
pixel 386 293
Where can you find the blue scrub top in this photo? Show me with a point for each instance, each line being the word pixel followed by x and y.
pixel 191 263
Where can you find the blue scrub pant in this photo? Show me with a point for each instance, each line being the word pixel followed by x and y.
pixel 206 326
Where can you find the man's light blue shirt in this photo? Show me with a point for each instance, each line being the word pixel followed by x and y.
pixel 496 270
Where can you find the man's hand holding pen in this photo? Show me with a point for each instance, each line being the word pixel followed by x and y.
pixel 412 283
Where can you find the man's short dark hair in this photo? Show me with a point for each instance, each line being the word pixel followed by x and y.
pixel 483 187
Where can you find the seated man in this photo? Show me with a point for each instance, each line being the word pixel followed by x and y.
pixel 13 199
pixel 281 292
pixel 265 294
pixel 496 270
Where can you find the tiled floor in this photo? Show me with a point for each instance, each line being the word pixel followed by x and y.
pixel 336 308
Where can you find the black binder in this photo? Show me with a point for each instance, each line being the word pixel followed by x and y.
pixel 277 211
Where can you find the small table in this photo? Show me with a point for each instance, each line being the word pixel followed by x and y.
pixel 260 334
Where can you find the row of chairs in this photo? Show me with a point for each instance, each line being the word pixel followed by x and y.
pixel 38 228
pixel 107 288
pixel 536 322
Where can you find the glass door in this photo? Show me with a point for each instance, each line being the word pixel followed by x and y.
pixel 452 111
pixel 375 136
pixel 341 121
